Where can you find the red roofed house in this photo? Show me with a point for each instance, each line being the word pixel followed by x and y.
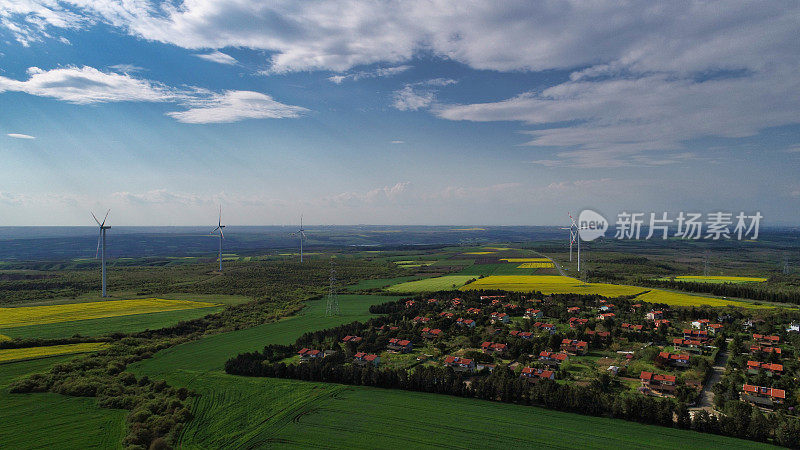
pixel 363 359
pixel 763 396
pixel 349 338
pixel 532 313
pixel 474 310
pixel 664 384
pixel 431 333
pixel 493 347
pixel 674 360
pixel 754 367
pixel 758 348
pixel 573 309
pixel 575 322
pixel 432 301
pixel 661 323
pixel 696 335
pixel 632 327
pixel 500 317
pixel 421 319
pixel 690 345
pixel 574 346
pixel 400 345
pixel 552 358
pixel 532 374
pixel 465 323
pixel 410 303
pixel 602 334
pixel 456 303
pixel 654 315
pixel 522 334
pixel 307 354
pixel 460 364
pixel 446 315
pixel 605 316
pixel 766 340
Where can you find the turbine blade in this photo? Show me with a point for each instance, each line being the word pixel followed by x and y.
pixel 104 218
pixel 99 239
pixel 95 219
pixel 221 234
pixel 215 230
pixel 220 215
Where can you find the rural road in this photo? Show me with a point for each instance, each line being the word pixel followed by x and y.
pixel 560 271
pixel 707 394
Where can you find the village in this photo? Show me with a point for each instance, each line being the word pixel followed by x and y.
pixel 646 349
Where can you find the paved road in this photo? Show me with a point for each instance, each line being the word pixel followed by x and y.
pixel 561 272
pixel 707 395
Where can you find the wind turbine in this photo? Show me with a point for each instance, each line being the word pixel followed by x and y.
pixel 101 245
pixel 572 234
pixel 220 226
pixel 301 233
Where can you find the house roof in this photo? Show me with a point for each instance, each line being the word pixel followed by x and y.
pixel 760 390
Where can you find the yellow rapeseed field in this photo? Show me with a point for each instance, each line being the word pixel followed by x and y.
pixel 14 354
pixel 3 337
pixel 478 253
pixel 535 265
pixel 524 260
pixel 550 284
pixel 36 315
pixel 556 284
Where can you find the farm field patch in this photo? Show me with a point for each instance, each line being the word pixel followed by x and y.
pixel 478 253
pixel 35 315
pixel 536 265
pixel 53 420
pixel 681 299
pixel 716 279
pixel 525 260
pixel 3 337
pixel 432 284
pixel 15 354
pixel 118 324
pixel 379 283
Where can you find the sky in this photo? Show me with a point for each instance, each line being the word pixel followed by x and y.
pixel 396 112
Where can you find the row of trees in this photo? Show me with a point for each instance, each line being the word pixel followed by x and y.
pixel 754 291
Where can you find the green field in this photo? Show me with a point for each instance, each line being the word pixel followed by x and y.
pixel 444 283
pixel 243 412
pixel 715 279
pixel 98 327
pixel 52 420
pixel 379 283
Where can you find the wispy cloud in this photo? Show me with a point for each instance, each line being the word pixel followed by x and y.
pixel 21 136
pixel 410 99
pixel 218 57
pixel 233 106
pixel 398 142
pixel 377 73
pixel 87 85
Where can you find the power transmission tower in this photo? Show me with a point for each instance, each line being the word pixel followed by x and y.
pixel 332 304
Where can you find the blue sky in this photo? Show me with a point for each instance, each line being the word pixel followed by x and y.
pixel 395 112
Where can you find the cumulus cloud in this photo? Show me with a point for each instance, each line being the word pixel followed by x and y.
pixel 20 136
pixel 233 106
pixel 377 73
pixel 218 57
pixel 411 99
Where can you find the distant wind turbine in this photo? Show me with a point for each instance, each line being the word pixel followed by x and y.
pixel 575 237
pixel 220 226
pixel 301 234
pixel 101 247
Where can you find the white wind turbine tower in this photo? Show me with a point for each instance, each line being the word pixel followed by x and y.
pixel 301 234
pixel 101 247
pixel 572 234
pixel 220 226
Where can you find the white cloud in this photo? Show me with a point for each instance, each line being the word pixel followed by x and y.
pixel 645 119
pixel 377 73
pixel 126 68
pixel 21 136
pixel 84 85
pixel 87 85
pixel 398 142
pixel 378 195
pixel 218 57
pixel 233 106
pixel 410 99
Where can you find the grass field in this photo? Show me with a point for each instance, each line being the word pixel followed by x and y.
pixel 431 284
pixel 478 253
pixel 716 279
pixel 48 421
pixel 15 354
pixel 556 284
pixel 36 315
pixel 98 327
pixel 379 283
pixel 245 412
